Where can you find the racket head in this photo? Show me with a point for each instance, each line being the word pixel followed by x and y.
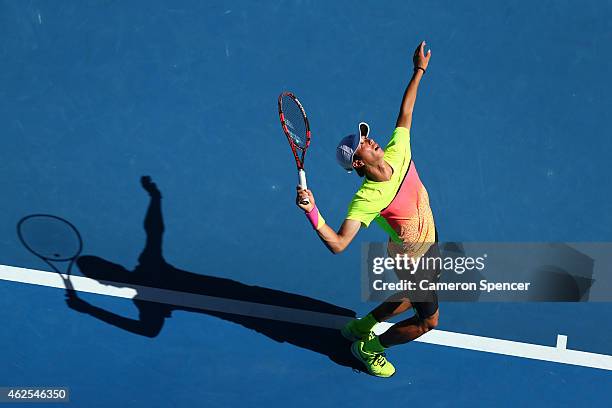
pixel 50 237
pixel 295 125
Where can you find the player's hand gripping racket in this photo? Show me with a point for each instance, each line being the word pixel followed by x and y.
pixel 295 125
pixel 52 239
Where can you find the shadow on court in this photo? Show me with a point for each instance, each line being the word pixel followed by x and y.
pixel 153 271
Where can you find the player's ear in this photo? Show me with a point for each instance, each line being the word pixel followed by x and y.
pixel 358 164
pixel 359 167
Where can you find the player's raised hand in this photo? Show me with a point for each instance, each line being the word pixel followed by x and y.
pixel 150 186
pixel 301 195
pixel 420 58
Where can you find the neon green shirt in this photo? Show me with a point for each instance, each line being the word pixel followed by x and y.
pixel 401 204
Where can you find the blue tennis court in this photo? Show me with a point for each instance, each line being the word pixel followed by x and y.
pixel 510 133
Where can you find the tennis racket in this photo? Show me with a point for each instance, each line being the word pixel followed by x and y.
pixel 52 239
pixel 297 129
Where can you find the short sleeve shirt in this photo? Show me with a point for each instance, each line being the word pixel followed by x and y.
pixel 399 205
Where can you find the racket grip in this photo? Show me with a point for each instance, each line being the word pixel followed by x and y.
pixel 303 185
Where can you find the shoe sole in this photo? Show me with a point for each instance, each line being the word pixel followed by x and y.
pixel 355 352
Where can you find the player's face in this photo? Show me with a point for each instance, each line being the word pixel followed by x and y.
pixel 369 151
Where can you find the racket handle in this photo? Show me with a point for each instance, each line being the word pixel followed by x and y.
pixel 303 185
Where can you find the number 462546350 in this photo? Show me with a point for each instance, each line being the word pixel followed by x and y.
pixel 33 394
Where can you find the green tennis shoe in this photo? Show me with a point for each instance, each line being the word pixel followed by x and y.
pixel 376 362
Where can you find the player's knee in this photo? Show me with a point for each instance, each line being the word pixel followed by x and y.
pixel 431 322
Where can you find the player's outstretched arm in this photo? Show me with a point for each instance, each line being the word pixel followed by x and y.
pixel 420 61
pixel 336 242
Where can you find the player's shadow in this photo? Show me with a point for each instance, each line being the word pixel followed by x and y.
pixel 153 271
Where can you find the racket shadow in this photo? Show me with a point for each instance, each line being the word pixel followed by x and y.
pixel 153 271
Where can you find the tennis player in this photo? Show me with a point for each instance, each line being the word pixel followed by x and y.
pixel 392 195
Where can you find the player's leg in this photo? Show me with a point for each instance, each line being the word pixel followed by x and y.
pixel 409 329
pixel 390 308
pixel 425 305
pixel 394 305
pixel 371 351
pixel 360 328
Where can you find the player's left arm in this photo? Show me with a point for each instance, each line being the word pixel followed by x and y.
pixel 336 242
pixel 420 61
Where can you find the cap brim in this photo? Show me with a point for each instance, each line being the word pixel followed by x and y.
pixel 364 129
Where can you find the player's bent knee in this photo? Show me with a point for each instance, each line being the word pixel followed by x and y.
pixel 431 322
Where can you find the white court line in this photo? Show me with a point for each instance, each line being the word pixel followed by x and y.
pixel 561 342
pixel 557 354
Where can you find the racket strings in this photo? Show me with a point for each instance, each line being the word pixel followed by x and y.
pixel 50 238
pixel 295 122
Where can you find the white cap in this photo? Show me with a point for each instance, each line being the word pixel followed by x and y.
pixel 347 146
